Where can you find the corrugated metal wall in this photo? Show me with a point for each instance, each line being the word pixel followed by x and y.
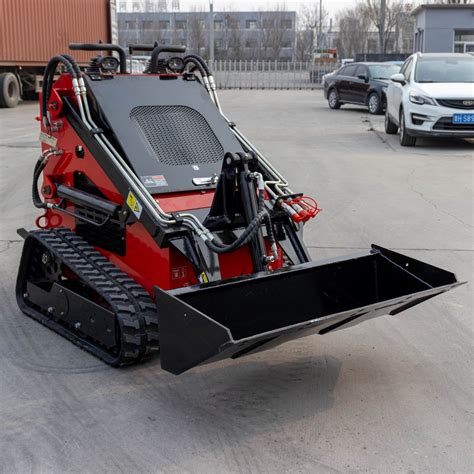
pixel 32 31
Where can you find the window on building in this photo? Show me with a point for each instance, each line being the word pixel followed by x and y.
pixel 136 6
pixel 130 25
pixel 251 43
pixel 286 24
pixel 164 25
pixel 419 40
pixel 218 24
pixel 286 44
pixel 463 41
pixel 219 43
pixel 390 46
pixel 251 24
pixel 123 6
pixel 372 46
pixel 147 25
pixel 180 24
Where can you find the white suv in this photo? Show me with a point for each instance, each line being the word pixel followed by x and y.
pixel 433 95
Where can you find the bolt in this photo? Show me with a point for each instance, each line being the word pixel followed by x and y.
pixel 77 325
pixel 51 309
pixel 79 151
pixel 45 258
pixel 25 295
pixel 62 313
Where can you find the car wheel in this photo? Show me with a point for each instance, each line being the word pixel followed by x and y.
pixel 9 90
pixel 405 138
pixel 333 99
pixel 391 127
pixel 375 104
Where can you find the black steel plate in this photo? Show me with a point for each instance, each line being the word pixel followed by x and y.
pixel 145 112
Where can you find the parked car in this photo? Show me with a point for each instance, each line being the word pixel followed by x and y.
pixel 326 76
pixel 359 83
pixel 432 95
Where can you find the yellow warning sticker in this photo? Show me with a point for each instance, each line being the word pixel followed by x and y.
pixel 203 278
pixel 134 205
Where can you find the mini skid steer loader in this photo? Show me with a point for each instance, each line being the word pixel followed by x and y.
pixel 164 229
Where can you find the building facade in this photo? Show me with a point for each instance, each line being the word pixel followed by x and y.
pixel 444 28
pixel 237 35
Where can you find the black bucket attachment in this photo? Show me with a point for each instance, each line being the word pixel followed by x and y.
pixel 236 317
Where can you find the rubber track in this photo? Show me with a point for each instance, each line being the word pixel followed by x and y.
pixel 135 311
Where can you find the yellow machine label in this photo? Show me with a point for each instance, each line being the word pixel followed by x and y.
pixel 134 205
pixel 203 278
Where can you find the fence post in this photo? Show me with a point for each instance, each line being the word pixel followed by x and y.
pixel 240 74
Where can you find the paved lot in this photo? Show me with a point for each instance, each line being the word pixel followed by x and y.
pixel 391 395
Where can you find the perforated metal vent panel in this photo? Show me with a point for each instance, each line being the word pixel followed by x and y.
pixel 177 135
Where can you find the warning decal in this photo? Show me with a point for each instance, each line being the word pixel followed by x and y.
pixel 134 205
pixel 203 278
pixel 152 181
pixel 48 139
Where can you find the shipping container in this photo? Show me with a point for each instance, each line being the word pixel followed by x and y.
pixel 32 31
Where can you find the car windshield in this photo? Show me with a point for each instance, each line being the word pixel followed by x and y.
pixel 383 71
pixel 450 69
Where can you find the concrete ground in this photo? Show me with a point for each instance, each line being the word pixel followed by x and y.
pixel 391 395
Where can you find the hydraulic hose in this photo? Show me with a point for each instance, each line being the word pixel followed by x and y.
pixel 38 203
pixel 188 60
pixel 39 167
pixel 73 63
pixel 247 234
pixel 209 79
pixel 48 83
pixel 243 239
pixel 204 71
pixel 201 61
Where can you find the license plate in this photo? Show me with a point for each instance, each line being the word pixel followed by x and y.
pixel 463 118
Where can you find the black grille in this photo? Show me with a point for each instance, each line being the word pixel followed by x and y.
pixel 446 123
pixel 177 135
pixel 457 103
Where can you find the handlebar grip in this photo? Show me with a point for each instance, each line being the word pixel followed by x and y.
pixel 141 47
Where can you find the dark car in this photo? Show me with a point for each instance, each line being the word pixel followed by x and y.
pixel 360 83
